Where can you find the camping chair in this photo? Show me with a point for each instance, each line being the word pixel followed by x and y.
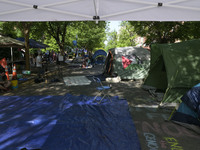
pixel 101 90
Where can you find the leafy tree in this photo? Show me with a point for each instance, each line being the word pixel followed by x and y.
pixel 124 38
pixel 189 30
pixel 90 35
pixel 10 29
pixel 112 40
pixel 51 42
pixel 126 35
pixel 58 31
pixel 166 32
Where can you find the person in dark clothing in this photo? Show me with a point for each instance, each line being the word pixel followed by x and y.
pixel 4 83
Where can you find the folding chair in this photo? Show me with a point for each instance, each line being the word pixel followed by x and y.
pixel 101 90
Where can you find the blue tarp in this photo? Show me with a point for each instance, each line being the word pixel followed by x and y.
pixel 33 43
pixel 65 122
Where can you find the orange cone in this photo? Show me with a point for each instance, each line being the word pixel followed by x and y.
pixel 6 72
pixel 14 77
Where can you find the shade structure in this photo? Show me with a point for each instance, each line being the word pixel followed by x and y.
pixel 10 42
pixel 33 43
pixel 112 10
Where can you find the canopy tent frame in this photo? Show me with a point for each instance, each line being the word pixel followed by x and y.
pixel 104 10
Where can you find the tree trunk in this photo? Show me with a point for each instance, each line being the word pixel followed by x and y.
pixel 26 37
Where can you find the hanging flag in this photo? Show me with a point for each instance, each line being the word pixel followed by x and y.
pixel 126 62
pixel 3 62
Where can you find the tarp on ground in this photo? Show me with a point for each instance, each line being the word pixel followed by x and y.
pixel 76 80
pixel 174 68
pixel 66 122
pixel 127 62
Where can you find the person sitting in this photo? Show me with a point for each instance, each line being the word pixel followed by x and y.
pixel 85 62
pixel 4 83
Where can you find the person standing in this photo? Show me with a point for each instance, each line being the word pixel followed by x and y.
pixel 39 64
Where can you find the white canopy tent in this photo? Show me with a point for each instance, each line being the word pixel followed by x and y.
pixel 105 10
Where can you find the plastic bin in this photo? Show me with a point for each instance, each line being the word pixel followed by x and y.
pixel 14 84
pixel 26 72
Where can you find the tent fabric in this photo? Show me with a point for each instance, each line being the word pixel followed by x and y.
pixel 138 70
pixel 99 57
pixel 33 43
pixel 192 99
pixel 66 122
pixel 99 52
pixel 174 67
pixel 188 112
pixel 105 10
pixel 10 42
pixel 126 62
pixel 186 115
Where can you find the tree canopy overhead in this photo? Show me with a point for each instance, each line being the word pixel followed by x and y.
pixel 166 32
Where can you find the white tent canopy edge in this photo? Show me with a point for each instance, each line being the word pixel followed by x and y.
pixel 97 10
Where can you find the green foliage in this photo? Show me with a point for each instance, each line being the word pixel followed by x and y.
pixel 124 38
pixel 126 35
pixel 166 32
pixel 10 29
pixel 53 46
pixel 189 30
pixel 38 31
pixel 90 35
pixel 59 35
pixel 112 40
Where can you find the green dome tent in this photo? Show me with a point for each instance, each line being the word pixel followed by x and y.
pixel 174 68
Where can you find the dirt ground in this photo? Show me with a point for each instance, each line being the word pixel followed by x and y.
pixel 130 90
pixel 153 129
